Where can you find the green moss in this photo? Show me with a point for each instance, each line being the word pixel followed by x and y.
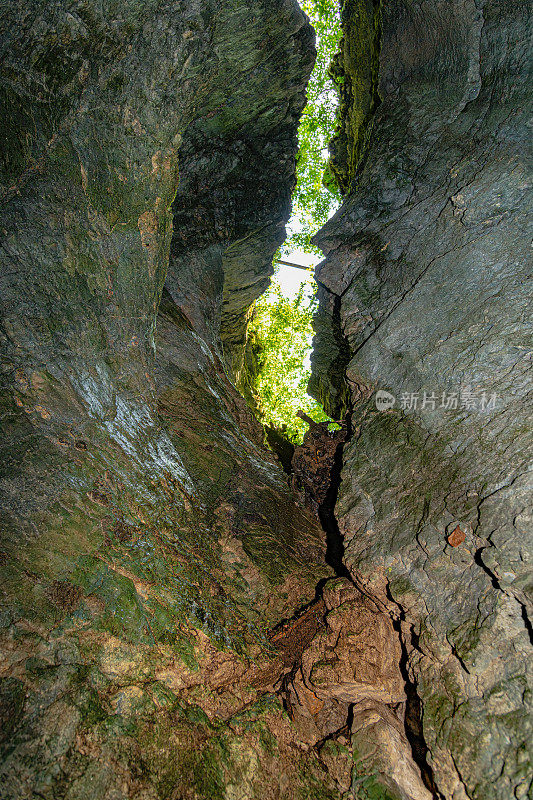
pixel 268 741
pixel 367 782
pixel 184 647
pixel 264 705
pixel 355 71
pixel 276 564
pixel 400 585
pixel 194 714
pixel 12 697
pixel 313 787
pixel 207 773
pixel 123 615
pixel 90 706
pixel 333 748
pixel 371 788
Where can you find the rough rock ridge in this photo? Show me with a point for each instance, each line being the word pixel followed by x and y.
pixel 167 614
pixel 424 297
pixel 149 542
pixel 169 627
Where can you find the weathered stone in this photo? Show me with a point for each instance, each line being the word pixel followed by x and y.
pixel 425 278
pixel 167 629
pixel 357 655
pixel 383 760
pixel 149 541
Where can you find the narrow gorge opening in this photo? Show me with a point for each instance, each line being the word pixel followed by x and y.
pixel 179 619
pixel 280 338
pixel 280 328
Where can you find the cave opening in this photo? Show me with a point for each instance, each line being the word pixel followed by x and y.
pixel 280 331
pixel 179 619
pixel 281 324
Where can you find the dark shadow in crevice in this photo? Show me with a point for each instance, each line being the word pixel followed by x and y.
pixel 413 709
pixel 279 443
pixel 527 621
pixel 344 730
pixel 478 558
pixel 326 513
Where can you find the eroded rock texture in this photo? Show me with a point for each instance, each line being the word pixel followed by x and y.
pixel 424 289
pixel 169 628
pixel 149 542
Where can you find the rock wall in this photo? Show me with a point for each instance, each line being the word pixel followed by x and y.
pixel 169 626
pixel 424 296
pixel 149 543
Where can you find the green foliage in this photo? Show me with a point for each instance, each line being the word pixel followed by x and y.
pixel 281 329
pixel 313 203
pixel 281 333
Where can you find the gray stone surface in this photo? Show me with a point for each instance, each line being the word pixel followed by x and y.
pixel 166 629
pixel 149 542
pixel 426 281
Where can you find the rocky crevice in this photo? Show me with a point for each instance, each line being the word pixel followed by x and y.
pixel 326 513
pixel 414 729
pixel 314 708
pixel 425 259
pixel 163 596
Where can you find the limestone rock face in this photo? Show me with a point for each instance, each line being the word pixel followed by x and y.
pixel 169 628
pixel 148 541
pixel 424 296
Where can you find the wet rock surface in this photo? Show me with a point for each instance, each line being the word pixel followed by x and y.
pixel 424 296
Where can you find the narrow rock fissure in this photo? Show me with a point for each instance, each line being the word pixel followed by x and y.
pixel 412 718
pixel 326 514
pixel 335 552
pixel 326 509
pixel 527 621
pixel 324 504
pixel 166 590
pixel 413 708
pixel 478 558
pixel 335 559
